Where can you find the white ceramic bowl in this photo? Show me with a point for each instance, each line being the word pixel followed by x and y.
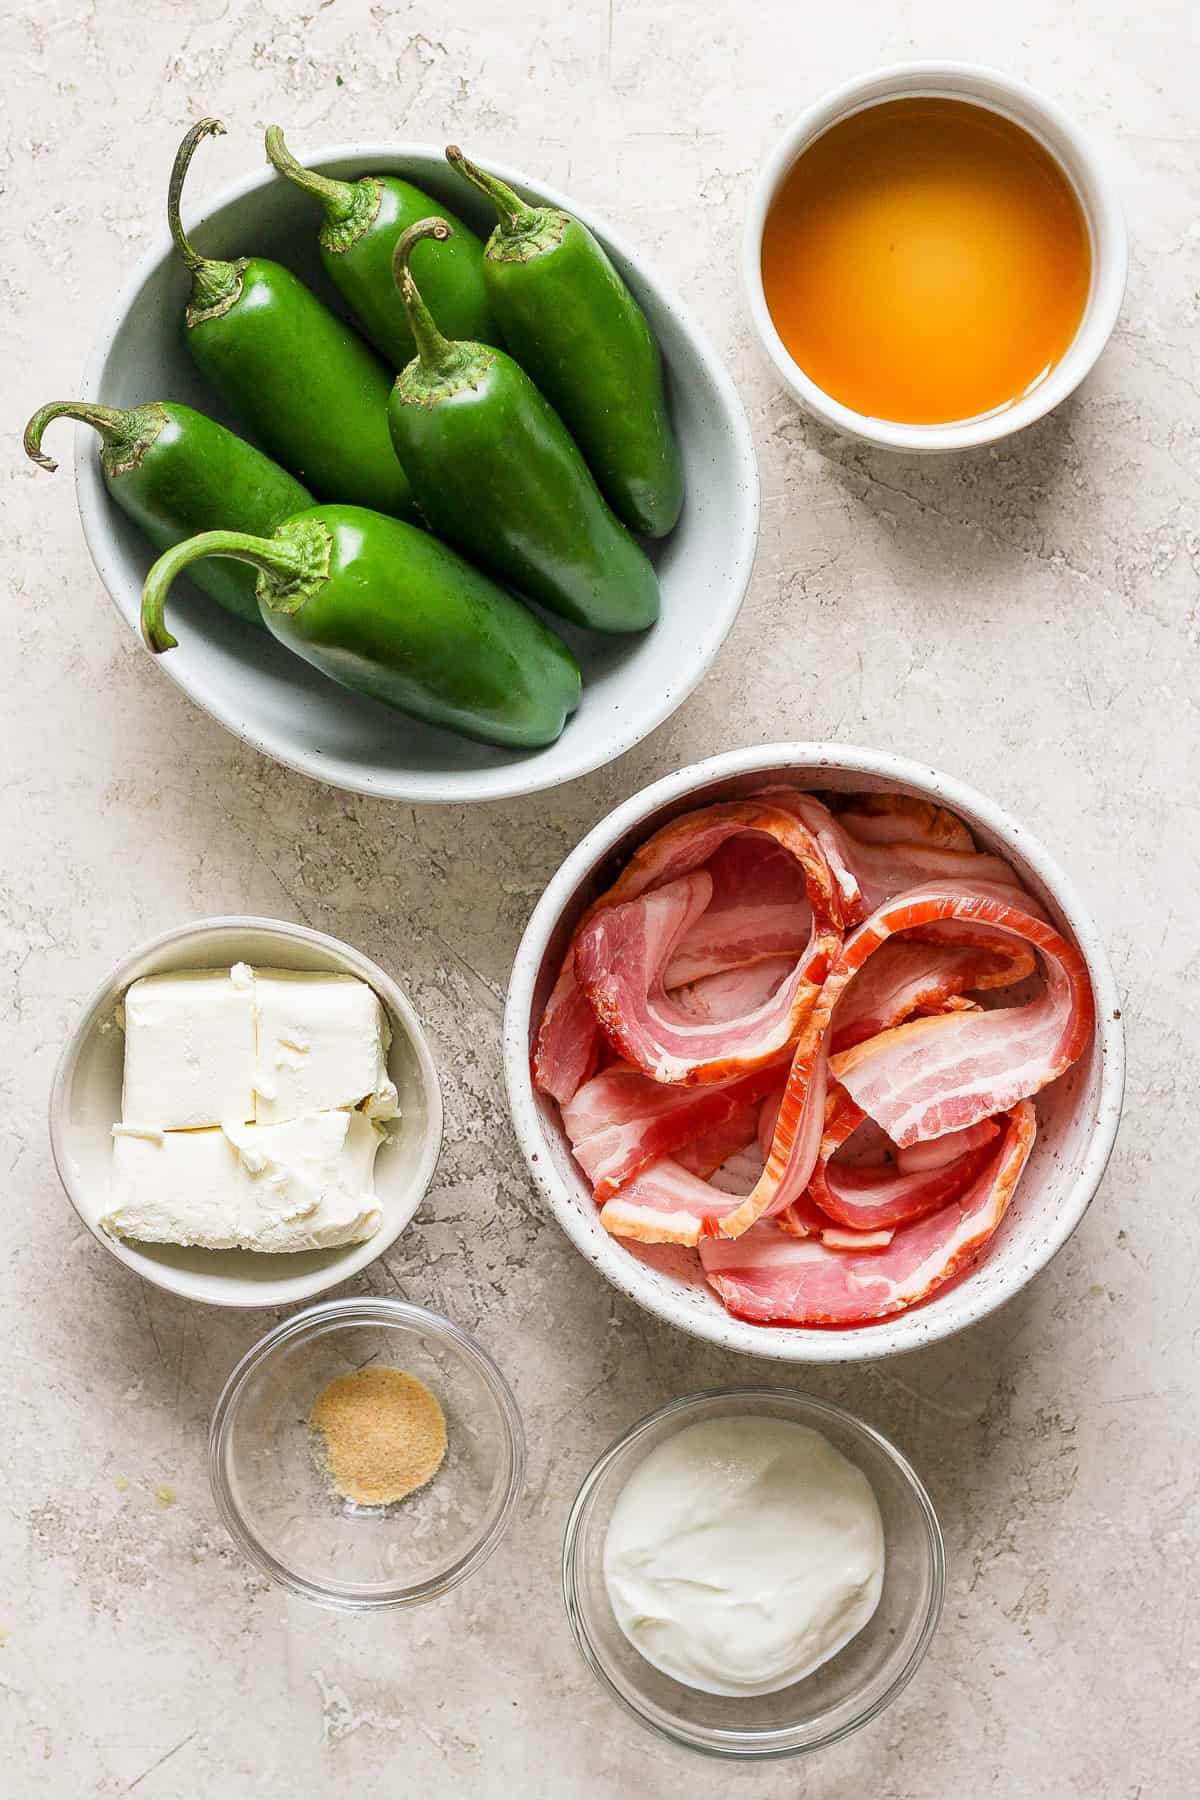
pixel 1078 1114
pixel 277 703
pixel 85 1099
pixel 1080 162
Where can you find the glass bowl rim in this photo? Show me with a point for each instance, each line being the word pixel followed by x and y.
pixel 313 1321
pixel 768 1745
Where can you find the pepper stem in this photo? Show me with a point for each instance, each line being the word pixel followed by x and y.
pixel 337 197
pixel 270 555
pixel 112 424
pixel 437 355
pixel 515 213
pixel 212 279
pixel 183 157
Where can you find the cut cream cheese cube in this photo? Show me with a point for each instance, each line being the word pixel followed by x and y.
pixel 189 1049
pixel 322 1042
pixel 302 1185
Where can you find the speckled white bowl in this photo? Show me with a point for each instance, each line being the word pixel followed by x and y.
pixel 275 702
pixel 85 1099
pixel 1078 1114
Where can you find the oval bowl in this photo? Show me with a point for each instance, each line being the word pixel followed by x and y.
pixel 275 702
pixel 85 1099
pixel 1078 1115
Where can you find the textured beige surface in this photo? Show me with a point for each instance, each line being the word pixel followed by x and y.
pixel 1025 618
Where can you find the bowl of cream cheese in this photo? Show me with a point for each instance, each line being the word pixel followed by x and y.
pixel 247 1112
pixel 753 1572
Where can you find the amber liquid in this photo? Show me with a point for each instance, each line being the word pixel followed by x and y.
pixel 926 261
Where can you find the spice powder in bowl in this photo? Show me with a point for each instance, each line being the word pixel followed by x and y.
pixel 384 1434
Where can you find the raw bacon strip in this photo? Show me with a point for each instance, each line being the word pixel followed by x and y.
pixel 759 908
pixel 796 1142
pixel 842 1120
pixel 907 975
pixel 710 1150
pixel 936 1152
pixel 719 998
pixel 566 1047
pixel 619 962
pixel 665 1204
pixel 885 870
pixel 668 1201
pixel 619 966
pixel 738 936
pixel 873 1197
pixel 771 1278
pixel 802 1218
pixel 621 1119
pixel 768 1118
pixel 568 1042
pixel 933 1075
pixel 902 819
pixel 568 1038
pixel 816 816
pixel 621 954
pixel 937 1075
pixel 658 1199
pixel 834 1238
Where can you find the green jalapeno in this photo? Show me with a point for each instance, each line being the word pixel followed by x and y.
pixel 572 324
pixel 175 472
pixel 304 383
pixel 497 474
pixel 383 608
pixel 362 222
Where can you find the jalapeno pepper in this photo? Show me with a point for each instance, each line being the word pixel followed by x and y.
pixel 497 474
pixel 304 383
pixel 362 222
pixel 383 608
pixel 572 324
pixel 175 472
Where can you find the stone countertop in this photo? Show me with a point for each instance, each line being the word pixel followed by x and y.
pixel 1024 617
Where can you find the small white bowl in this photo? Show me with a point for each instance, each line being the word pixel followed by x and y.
pixel 1078 1114
pixel 85 1100
pixel 1079 161
pixel 274 701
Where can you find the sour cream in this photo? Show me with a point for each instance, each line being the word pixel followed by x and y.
pixel 743 1553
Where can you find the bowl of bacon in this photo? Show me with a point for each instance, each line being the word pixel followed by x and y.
pixel 814 1052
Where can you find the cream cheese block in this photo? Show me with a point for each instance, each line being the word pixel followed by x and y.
pixel 189 1049
pixel 322 1041
pixel 254 1045
pixel 302 1185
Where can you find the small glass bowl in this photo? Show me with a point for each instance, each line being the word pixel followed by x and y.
pixel 276 1496
pixel 848 1691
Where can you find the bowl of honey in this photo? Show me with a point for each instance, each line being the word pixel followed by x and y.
pixel 934 257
